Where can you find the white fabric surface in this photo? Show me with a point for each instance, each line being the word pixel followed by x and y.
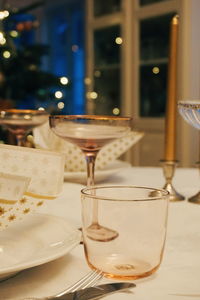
pixel 179 274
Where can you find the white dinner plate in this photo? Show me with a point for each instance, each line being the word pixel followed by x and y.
pixel 100 175
pixel 36 240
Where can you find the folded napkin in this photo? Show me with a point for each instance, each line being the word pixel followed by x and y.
pixel 12 204
pixel 44 138
pixel 28 177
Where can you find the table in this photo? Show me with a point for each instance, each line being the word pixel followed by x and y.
pixel 179 274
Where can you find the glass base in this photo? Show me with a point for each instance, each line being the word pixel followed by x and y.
pixel 100 233
pixel 127 269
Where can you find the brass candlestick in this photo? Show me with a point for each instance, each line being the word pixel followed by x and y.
pixel 169 167
pixel 196 197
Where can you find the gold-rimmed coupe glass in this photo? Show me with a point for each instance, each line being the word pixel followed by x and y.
pixel 90 133
pixel 190 111
pixel 21 121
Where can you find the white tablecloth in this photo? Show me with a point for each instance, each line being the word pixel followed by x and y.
pixel 179 274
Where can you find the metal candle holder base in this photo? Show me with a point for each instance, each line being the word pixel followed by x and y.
pixel 168 170
pixel 196 198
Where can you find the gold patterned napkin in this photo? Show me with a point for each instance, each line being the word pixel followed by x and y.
pixel 44 138
pixel 12 190
pixel 28 177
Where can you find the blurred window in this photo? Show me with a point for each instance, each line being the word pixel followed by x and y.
pixel 146 2
pixel 107 57
pixel 154 48
pixel 102 7
pixel 66 38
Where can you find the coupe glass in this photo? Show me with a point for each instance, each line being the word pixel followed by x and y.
pixel 190 111
pixel 91 133
pixel 21 121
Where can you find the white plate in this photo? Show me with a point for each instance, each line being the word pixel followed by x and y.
pixel 100 175
pixel 36 240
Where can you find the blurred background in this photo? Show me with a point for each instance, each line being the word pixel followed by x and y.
pixel 102 57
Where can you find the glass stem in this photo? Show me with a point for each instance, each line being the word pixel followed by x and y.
pixel 90 160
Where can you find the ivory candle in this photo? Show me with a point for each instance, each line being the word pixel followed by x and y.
pixel 171 107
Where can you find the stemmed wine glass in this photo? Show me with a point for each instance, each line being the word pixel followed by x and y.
pixel 21 121
pixel 190 111
pixel 91 133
